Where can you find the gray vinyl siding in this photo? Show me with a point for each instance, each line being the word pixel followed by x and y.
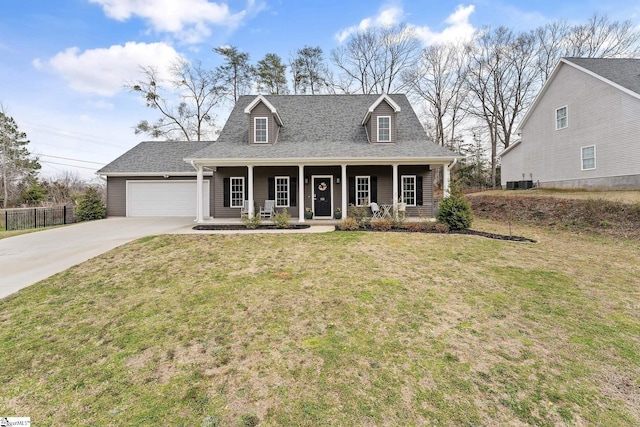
pixel 383 109
pixel 117 191
pixel 261 175
pixel 261 110
pixel 598 114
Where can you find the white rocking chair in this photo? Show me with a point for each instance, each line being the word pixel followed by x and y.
pixel 268 209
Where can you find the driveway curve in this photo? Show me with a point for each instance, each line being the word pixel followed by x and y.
pixel 29 258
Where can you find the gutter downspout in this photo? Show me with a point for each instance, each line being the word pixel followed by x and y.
pixel 446 179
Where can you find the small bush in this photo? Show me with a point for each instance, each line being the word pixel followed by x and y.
pixel 383 224
pixel 361 215
pixel 251 221
pixel 90 206
pixel 282 219
pixel 422 226
pixel 348 224
pixel 441 227
pixel 455 211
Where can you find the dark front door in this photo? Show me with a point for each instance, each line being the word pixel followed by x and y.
pixel 322 200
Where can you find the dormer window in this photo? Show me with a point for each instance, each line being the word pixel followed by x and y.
pixel 261 129
pixel 384 128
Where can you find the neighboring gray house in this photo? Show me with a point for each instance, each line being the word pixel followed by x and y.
pixel 317 152
pixel 583 129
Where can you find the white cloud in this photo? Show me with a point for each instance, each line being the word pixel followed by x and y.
pixel 188 20
pixel 387 17
pixel 458 28
pixel 104 71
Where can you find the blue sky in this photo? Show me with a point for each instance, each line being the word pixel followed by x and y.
pixel 63 63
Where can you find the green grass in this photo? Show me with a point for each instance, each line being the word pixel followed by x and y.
pixel 345 328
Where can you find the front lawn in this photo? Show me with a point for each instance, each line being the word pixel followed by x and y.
pixel 348 328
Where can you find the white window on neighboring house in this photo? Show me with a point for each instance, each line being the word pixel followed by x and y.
pixel 384 128
pixel 282 191
pixel 562 118
pixel 409 189
pixel 261 129
pixel 363 190
pixel 588 157
pixel 237 192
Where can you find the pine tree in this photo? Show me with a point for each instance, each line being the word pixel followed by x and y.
pixel 16 162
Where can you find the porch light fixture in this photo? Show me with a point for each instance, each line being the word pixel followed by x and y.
pixel 306 179
pixel 338 180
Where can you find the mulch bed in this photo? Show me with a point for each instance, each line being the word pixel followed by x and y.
pixel 238 227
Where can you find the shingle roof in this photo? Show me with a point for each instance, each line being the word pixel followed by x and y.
pixel 622 71
pixel 322 126
pixel 155 157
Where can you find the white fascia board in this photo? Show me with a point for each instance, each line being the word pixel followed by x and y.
pixel 270 106
pixel 326 161
pixel 150 174
pixel 383 97
pixel 509 148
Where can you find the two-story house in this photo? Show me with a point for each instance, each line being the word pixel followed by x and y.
pixel 583 129
pixel 304 152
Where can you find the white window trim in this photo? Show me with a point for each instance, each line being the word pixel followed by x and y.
pixel 378 129
pixel 582 158
pixel 415 189
pixel 275 183
pixel 566 117
pixel 231 179
pixel 368 198
pixel 255 130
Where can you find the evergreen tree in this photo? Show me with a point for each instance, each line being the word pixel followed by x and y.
pixel 270 74
pixel 90 206
pixel 16 162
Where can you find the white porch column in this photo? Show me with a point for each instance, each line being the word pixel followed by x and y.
pixel 300 193
pixel 446 180
pixel 250 192
pixel 345 182
pixel 199 184
pixel 395 187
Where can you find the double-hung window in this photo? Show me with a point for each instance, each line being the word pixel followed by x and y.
pixel 588 157
pixel 562 118
pixel 384 128
pixel 237 192
pixel 261 129
pixel 363 190
pixel 282 191
pixel 409 189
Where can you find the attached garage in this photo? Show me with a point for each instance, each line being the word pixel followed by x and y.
pixel 165 198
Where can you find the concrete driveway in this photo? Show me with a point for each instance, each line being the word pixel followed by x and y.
pixel 29 258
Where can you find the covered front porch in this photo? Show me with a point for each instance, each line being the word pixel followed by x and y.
pixel 313 191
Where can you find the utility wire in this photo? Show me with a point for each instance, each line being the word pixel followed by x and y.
pixel 65 164
pixel 73 160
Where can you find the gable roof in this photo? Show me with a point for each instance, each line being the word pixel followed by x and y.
pixel 621 73
pixel 383 97
pixel 155 158
pixel 267 104
pixel 321 128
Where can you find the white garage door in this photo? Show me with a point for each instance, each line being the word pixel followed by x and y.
pixel 165 198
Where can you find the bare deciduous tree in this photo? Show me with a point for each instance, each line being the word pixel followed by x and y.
pixel 185 101
pixel 373 60
pixel 501 76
